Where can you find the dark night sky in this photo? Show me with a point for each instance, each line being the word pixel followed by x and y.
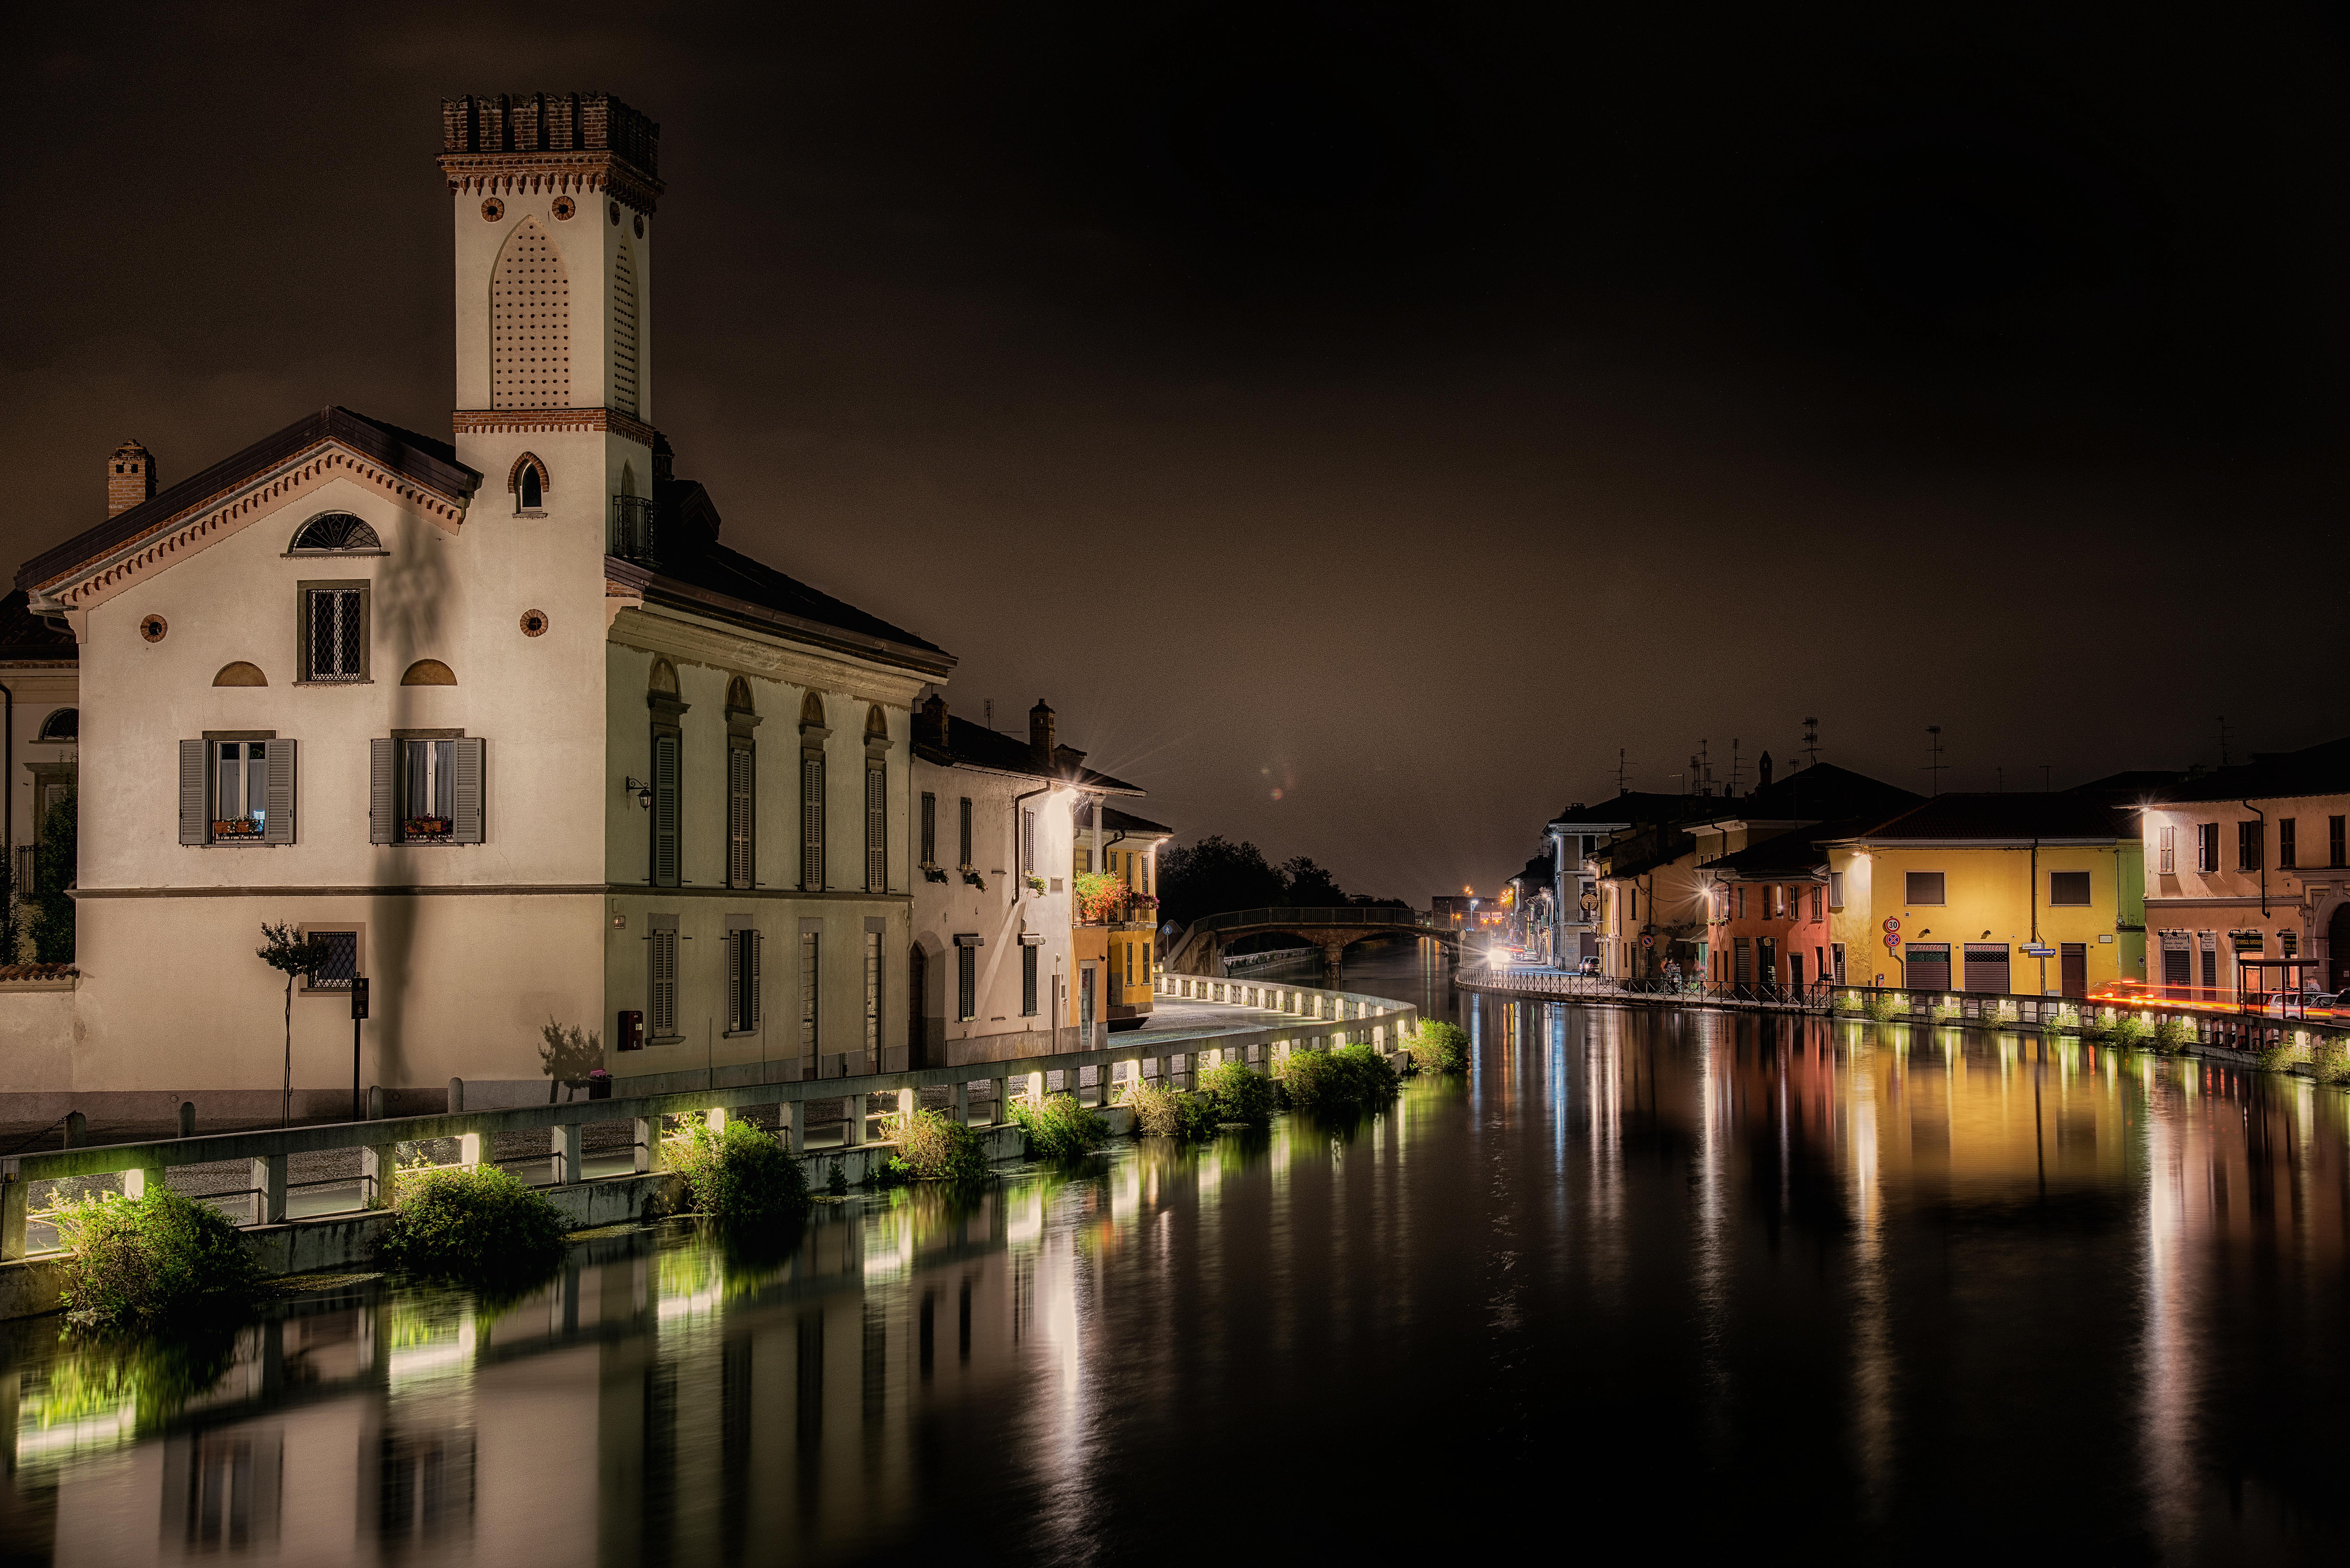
pixel 1400 408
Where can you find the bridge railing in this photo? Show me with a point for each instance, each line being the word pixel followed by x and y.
pixel 1343 914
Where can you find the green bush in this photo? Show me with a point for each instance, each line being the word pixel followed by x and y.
pixel 2174 1033
pixel 2095 1025
pixel 2131 1031
pixel 137 1261
pixel 2329 1061
pixel 1163 1112
pixel 478 1224
pixel 2280 1058
pixel 1238 1094
pixel 1060 1128
pixel 1849 1002
pixel 2066 1022
pixel 1351 1078
pixel 935 1147
pixel 1882 1007
pixel 741 1176
pixel 1949 1011
pixel 1440 1048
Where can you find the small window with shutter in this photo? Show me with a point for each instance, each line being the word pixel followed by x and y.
pixel 812 822
pixel 930 829
pixel 2068 888
pixel 660 989
pixel 740 815
pixel 809 1043
pixel 877 820
pixel 236 791
pixel 872 1001
pixel 1027 979
pixel 426 789
pixel 332 637
pixel 743 979
pixel 1922 887
pixel 667 780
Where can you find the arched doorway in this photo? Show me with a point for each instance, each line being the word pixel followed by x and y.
pixel 2337 947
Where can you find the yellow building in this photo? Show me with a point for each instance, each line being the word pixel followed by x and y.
pixel 1965 892
pixel 1114 943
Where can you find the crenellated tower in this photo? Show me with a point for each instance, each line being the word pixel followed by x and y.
pixel 553 197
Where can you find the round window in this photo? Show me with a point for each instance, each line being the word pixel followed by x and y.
pixel 494 209
pixel 534 623
pixel 153 627
pixel 563 208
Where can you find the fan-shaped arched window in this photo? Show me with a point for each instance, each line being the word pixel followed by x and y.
pixel 812 710
pixel 65 724
pixel 530 324
pixel 335 531
pixel 240 673
pixel 876 723
pixel 663 679
pixel 738 695
pixel 429 672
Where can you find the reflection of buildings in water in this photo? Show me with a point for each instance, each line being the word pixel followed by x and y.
pixel 222 1489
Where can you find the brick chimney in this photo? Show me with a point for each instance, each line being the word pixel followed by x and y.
pixel 934 721
pixel 1040 734
pixel 129 478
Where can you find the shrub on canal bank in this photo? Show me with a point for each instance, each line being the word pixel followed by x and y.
pixel 1060 1128
pixel 1238 1094
pixel 2174 1033
pixel 741 1176
pixel 137 1261
pixel 1163 1112
pixel 2329 1061
pixel 2130 1032
pixel 1882 1009
pixel 1351 1078
pixel 1440 1048
pixel 935 1147
pixel 474 1223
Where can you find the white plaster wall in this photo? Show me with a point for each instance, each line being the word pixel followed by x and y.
pixel 1006 909
pixel 590 244
pixel 37 1022
pixel 40 691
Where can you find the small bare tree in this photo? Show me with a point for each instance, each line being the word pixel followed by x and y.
pixel 568 1055
pixel 293 955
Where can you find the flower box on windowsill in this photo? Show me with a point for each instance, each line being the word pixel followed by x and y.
pixel 237 828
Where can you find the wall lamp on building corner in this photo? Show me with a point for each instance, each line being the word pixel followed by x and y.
pixel 644 791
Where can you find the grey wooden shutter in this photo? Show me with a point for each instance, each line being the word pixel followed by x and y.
pixel 472 759
pixel 877 857
pixel 735 1011
pixel 812 823
pixel 382 796
pixel 665 811
pixel 196 821
pixel 755 941
pixel 739 862
pixel 664 979
pixel 280 828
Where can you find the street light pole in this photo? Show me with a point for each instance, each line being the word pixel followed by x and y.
pixel 358 1016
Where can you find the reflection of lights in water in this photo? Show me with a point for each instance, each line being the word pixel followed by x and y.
pixel 442 1352
pixel 83 1434
pixel 1023 1215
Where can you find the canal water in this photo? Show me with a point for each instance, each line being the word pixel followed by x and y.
pixel 1643 1287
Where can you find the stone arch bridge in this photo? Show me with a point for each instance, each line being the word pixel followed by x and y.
pixel 1201 948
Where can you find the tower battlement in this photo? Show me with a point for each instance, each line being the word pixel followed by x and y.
pixel 584 141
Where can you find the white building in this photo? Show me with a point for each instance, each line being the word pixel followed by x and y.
pixel 40 730
pixel 502 718
pixel 993 961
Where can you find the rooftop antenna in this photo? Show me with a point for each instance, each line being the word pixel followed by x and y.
pixel 1934 763
pixel 1705 766
pixel 1619 770
pixel 1811 743
pixel 1737 769
pixel 1696 772
pixel 2223 740
pixel 987 713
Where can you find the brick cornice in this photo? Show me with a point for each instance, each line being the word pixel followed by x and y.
pixel 506 173
pixel 499 421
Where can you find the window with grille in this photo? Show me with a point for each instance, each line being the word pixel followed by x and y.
pixel 2288 852
pixel 808 956
pixel 2207 846
pixel 741 863
pixel 342 960
pixel 335 641
pixel 1028 980
pixel 873 1000
pixel 966 983
pixel 2166 852
pixel 2249 836
pixel 877 823
pixel 660 1000
pixel 930 829
pixel 811 823
pixel 1926 966
pixel 2068 888
pixel 1923 887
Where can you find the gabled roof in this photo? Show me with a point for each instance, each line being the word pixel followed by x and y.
pixel 1537 872
pixel 1816 794
pixel 420 461
pixel 1635 807
pixel 1133 826
pixel 695 571
pixel 1802 850
pixel 26 637
pixel 2322 769
pixel 2005 819
pixel 976 745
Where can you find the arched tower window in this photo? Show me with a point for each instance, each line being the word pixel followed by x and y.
pixel 528 481
pixel 65 724
pixel 335 531
pixel 530 324
pixel 624 330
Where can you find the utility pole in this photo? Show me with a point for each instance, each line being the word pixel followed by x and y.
pixel 2223 740
pixel 1934 758
pixel 1619 770
pixel 1737 773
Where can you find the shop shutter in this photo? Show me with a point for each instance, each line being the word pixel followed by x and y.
pixel 195 822
pixel 1986 967
pixel 471 757
pixel 1926 966
pixel 383 790
pixel 280 828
